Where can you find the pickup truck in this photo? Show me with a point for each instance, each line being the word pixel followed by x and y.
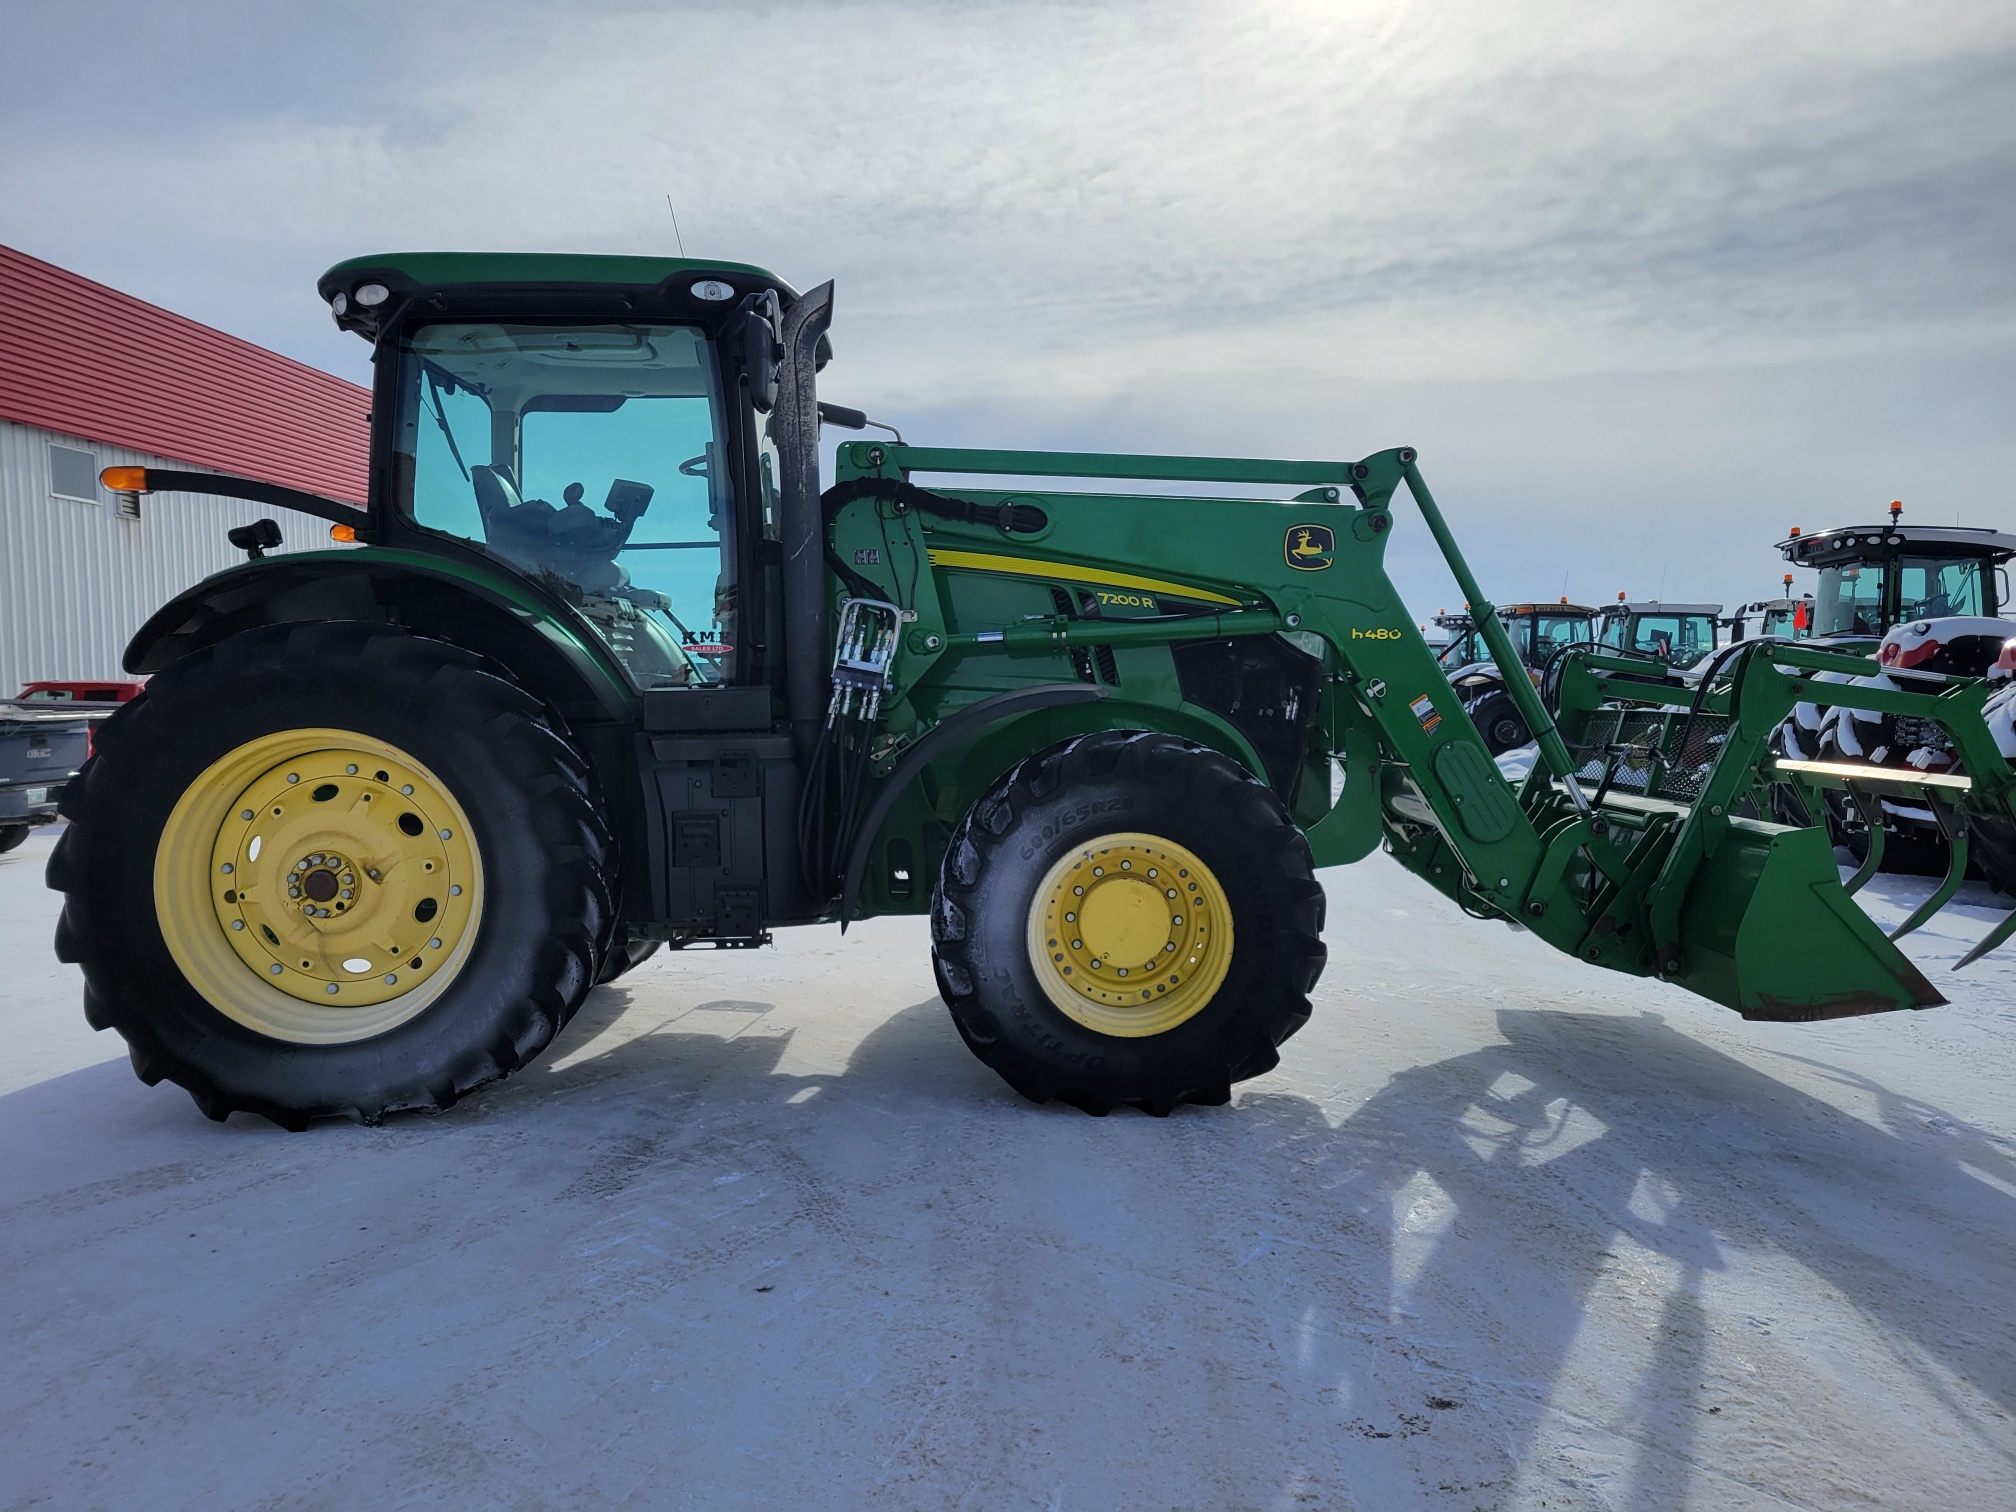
pixel 45 734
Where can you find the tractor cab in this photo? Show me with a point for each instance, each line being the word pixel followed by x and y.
pixel 1873 577
pixel 1461 645
pixel 618 430
pixel 1773 618
pixel 597 456
pixel 1677 634
pixel 1538 630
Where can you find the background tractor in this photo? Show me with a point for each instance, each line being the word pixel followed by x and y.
pixel 383 817
pixel 1926 601
pixel 1785 617
pixel 1676 634
pixel 1538 633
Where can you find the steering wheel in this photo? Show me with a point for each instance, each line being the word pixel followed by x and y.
pixel 695 467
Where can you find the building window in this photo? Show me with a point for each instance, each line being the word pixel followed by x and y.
pixel 73 474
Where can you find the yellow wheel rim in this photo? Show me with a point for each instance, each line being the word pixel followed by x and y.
pixel 318 886
pixel 1130 935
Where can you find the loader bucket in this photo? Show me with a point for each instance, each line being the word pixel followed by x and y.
pixel 1769 930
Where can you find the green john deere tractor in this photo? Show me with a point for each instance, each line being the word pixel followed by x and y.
pixel 609 671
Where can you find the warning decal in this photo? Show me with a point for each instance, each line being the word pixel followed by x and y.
pixel 1424 710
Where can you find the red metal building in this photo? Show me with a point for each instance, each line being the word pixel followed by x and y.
pixel 79 358
pixel 93 378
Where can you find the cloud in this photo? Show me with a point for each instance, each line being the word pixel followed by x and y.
pixel 1191 224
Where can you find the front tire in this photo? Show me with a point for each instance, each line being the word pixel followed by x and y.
pixel 1501 724
pixel 1127 918
pixel 331 869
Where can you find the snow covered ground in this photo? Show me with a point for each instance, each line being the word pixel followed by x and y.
pixel 1502 1231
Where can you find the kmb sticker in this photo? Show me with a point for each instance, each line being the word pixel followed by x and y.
pixel 1424 710
pixel 1310 548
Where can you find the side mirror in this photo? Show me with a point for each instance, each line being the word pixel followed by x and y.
pixel 256 539
pixel 763 349
pixel 760 353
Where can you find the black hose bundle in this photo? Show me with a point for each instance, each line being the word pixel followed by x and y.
pixel 829 805
pixel 1016 519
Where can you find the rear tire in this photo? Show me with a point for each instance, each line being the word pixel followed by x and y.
pixel 11 836
pixel 163 796
pixel 624 955
pixel 1124 799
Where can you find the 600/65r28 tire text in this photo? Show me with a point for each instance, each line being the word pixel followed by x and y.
pixel 1127 918
pixel 331 868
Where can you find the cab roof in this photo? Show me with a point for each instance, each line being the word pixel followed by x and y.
pixel 1847 543
pixel 1653 606
pixel 564 281
pixel 534 267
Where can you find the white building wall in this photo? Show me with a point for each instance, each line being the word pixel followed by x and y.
pixel 77 579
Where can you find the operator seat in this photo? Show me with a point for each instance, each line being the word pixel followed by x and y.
pixel 573 542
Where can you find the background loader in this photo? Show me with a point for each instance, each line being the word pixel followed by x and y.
pixel 383 817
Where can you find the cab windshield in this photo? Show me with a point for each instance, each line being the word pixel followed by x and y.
pixel 1460 652
pixel 1849 600
pixel 1932 587
pixel 1678 639
pixel 591 458
pixel 1553 631
pixel 1786 624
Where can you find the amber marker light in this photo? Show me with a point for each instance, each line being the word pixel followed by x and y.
pixel 124 479
pixel 342 532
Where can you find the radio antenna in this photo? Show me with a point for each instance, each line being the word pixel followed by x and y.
pixel 675 226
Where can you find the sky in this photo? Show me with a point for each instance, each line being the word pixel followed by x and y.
pixel 1645 283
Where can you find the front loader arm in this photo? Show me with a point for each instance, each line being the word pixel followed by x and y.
pixel 1001 589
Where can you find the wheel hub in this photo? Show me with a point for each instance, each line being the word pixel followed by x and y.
pixel 341 874
pixel 358 914
pixel 1130 935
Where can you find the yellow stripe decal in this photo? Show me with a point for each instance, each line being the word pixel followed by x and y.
pixel 1029 567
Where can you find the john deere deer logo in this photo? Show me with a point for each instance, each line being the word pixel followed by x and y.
pixel 1309 548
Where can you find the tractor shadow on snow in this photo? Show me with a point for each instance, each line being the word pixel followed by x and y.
pixel 1499 1191
pixel 1489 1198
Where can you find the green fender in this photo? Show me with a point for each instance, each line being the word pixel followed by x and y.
pixel 469 602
